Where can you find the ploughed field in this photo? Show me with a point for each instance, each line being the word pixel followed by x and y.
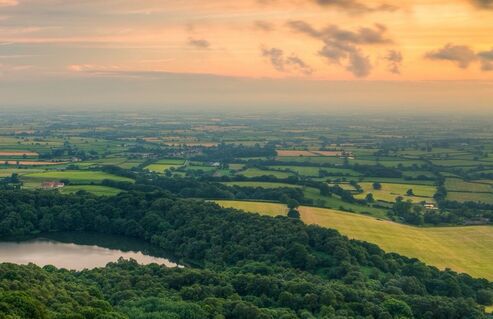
pixel 463 249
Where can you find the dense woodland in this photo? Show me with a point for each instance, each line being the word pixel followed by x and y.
pixel 237 266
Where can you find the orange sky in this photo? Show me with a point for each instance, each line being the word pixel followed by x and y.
pixel 339 40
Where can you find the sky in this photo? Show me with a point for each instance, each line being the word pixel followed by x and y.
pixel 330 55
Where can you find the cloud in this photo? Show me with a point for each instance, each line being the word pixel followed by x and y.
pixel 264 26
pixel 394 59
pixel 199 43
pixel 286 64
pixel 276 57
pixel 356 7
pixel 462 55
pixel 486 58
pixel 345 46
pixel 298 63
pixel 359 65
pixel 484 4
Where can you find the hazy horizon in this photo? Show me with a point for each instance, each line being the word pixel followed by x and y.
pixel 315 55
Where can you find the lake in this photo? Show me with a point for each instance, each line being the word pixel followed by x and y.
pixel 80 250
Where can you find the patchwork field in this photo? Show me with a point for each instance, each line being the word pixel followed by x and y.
pixel 260 184
pixel 95 189
pixel 82 177
pixel 474 197
pixel 17 153
pixel 289 153
pixel 30 163
pixel 458 185
pixel 255 172
pixel 389 192
pixel 269 209
pixel 160 168
pixel 463 249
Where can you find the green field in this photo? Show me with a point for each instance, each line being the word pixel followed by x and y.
pixel 463 249
pixel 390 191
pixel 6 172
pixel 78 177
pixel 160 168
pixel 171 161
pixel 474 197
pixel 255 172
pixel 301 170
pixel 95 189
pixel 163 165
pixel 261 184
pixel 458 185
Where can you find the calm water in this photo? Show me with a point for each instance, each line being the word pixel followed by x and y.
pixel 79 251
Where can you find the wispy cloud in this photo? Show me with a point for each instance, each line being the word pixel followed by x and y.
pixel 394 59
pixel 343 46
pixel 463 56
pixel 282 63
pixel 484 4
pixel 264 25
pixel 199 43
pixel 356 7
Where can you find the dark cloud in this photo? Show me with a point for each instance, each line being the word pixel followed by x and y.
pixel 276 57
pixel 394 59
pixel 485 4
pixel 264 26
pixel 462 55
pixel 299 64
pixel 365 35
pixel 199 43
pixel 286 64
pixel 353 6
pixel 359 64
pixel 486 58
pixel 344 46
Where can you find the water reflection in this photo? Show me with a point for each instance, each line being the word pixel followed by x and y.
pixel 79 251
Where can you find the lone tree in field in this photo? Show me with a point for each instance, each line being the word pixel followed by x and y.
pixel 410 192
pixel 369 198
pixel 377 186
pixel 293 204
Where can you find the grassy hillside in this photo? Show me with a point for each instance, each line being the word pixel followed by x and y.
pixel 463 249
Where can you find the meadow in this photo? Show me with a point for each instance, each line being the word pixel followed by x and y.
pixel 390 191
pixel 458 185
pixel 94 189
pixel 463 249
pixel 77 177
pixel 261 184
pixel 255 172
pixel 474 197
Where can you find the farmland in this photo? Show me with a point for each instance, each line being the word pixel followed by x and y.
pixel 79 177
pixel 389 191
pixel 416 188
pixel 464 249
pixel 94 189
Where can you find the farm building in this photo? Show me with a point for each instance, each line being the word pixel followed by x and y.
pixel 430 206
pixel 51 185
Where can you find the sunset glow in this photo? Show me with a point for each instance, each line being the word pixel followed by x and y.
pixel 296 40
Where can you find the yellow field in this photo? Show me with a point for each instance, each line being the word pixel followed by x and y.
pixel 12 153
pixel 269 209
pixel 390 191
pixel 463 249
